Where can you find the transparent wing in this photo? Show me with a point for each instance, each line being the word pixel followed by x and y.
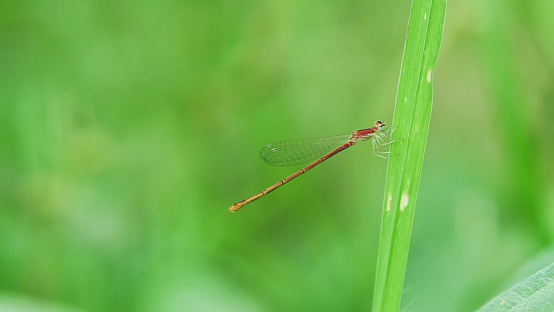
pixel 296 152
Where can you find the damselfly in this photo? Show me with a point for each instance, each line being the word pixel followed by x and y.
pixel 295 152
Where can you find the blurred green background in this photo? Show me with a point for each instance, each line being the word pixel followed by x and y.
pixel 128 128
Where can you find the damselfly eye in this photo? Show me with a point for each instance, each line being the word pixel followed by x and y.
pixel 381 126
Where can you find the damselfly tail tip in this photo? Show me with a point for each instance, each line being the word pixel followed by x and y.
pixel 236 207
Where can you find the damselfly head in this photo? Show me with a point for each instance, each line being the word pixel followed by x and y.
pixel 381 126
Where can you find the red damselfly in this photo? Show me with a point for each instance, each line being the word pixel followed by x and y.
pixel 295 152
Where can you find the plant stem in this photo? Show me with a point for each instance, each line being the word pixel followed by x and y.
pixel 411 123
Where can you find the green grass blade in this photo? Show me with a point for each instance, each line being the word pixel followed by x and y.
pixel 536 293
pixel 411 123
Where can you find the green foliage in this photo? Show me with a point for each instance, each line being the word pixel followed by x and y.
pixel 128 128
pixel 412 115
pixel 535 293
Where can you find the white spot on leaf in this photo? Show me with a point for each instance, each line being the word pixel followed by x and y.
pixel 429 76
pixel 388 203
pixel 404 200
